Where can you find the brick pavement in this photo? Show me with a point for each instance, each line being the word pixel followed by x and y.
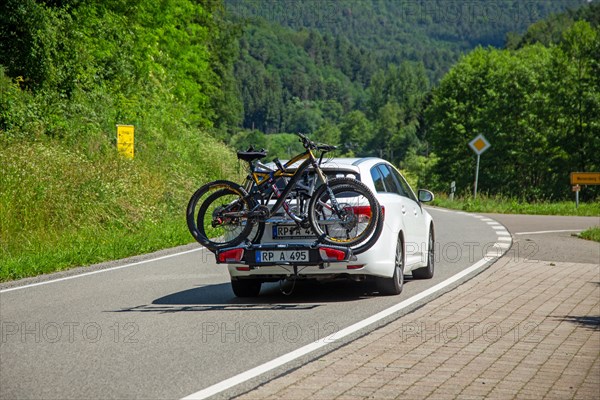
pixel 522 329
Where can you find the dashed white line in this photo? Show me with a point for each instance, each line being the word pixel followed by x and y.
pixel 541 232
pixel 309 348
pixel 499 250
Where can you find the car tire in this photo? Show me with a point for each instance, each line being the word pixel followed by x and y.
pixel 393 286
pixel 246 287
pixel 427 271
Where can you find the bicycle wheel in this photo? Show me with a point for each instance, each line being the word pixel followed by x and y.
pixel 217 215
pixel 356 219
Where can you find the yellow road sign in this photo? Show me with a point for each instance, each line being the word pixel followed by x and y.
pixel 479 144
pixel 585 178
pixel 125 140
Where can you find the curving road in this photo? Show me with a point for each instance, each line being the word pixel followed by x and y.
pixel 167 325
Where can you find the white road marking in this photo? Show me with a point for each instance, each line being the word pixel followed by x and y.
pixel 309 348
pixel 99 271
pixel 500 249
pixel 505 238
pixel 541 232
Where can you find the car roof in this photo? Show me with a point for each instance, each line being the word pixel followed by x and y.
pixel 343 163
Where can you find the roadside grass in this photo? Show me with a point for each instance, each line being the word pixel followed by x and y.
pixel 503 205
pixel 63 207
pixel 591 234
pixel 89 245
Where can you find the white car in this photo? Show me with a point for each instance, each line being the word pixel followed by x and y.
pixel 406 243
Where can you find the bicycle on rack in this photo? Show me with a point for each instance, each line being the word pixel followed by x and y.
pixel 340 211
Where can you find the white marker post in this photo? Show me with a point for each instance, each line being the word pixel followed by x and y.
pixel 478 145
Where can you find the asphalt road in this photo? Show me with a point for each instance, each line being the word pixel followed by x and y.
pixel 551 238
pixel 169 327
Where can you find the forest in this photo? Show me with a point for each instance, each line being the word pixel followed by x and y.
pixel 414 81
pixel 411 81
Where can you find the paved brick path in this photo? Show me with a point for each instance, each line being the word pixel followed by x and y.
pixel 521 329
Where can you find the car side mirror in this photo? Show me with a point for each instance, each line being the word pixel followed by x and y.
pixel 425 196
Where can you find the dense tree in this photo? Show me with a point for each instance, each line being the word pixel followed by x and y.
pixel 355 133
pixel 575 97
pixel 135 49
pixel 537 106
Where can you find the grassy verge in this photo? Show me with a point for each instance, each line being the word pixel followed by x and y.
pixel 61 207
pixel 591 234
pixel 90 245
pixel 488 204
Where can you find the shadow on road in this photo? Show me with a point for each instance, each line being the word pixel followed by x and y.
pixel 304 295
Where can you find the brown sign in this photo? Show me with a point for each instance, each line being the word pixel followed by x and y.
pixel 576 188
pixel 585 178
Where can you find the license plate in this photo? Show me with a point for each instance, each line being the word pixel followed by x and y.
pixel 270 256
pixel 292 232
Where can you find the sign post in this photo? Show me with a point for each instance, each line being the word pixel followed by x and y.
pixel 583 178
pixel 576 189
pixel 478 145
pixel 125 140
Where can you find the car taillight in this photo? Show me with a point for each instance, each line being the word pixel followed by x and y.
pixel 233 255
pixel 329 254
pixel 361 210
pixel 364 211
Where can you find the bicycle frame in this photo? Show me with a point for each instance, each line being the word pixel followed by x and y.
pixel 261 179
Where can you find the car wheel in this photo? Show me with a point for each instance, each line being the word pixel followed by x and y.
pixel 246 287
pixel 426 272
pixel 392 286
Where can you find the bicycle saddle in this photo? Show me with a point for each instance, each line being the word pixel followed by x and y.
pixel 251 154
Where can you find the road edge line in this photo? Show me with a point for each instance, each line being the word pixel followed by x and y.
pixel 66 278
pixel 311 347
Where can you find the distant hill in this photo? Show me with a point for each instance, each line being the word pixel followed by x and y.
pixel 432 31
pixel 304 63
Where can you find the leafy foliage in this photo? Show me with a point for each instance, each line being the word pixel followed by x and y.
pixel 361 71
pixel 70 71
pixel 538 106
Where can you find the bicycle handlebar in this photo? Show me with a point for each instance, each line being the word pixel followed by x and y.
pixel 309 144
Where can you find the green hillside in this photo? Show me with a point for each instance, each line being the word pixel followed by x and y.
pixel 434 32
pixel 322 67
pixel 69 72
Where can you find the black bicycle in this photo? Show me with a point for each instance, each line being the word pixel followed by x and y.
pixel 339 211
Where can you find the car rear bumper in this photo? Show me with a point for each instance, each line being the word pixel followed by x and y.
pixel 288 254
pixel 374 262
